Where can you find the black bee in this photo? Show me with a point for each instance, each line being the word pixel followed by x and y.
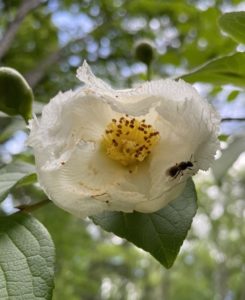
pixel 178 169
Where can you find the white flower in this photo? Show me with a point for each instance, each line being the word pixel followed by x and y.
pixel 99 149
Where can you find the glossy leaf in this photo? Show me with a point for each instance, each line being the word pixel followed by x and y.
pixel 225 70
pixel 161 233
pixel 234 25
pixel 26 259
pixel 15 94
pixel 15 174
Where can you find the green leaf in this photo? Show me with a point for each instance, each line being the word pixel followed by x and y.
pixel 15 94
pixel 234 25
pixel 229 156
pixel 223 137
pixel 15 175
pixel 26 259
pixel 232 96
pixel 225 70
pixel 161 233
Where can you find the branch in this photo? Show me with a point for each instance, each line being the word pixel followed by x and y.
pixel 30 208
pixel 36 75
pixel 9 35
pixel 232 119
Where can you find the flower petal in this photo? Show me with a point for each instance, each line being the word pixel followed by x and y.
pixel 196 124
pixel 85 74
pixel 89 182
pixel 134 102
pixel 162 200
pixel 77 182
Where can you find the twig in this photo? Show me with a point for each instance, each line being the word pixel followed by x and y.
pixel 34 76
pixel 232 119
pixel 9 34
pixel 30 208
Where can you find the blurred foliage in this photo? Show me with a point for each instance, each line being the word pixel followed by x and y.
pixel 103 32
pixel 51 42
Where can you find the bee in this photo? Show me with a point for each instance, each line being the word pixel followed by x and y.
pixel 179 169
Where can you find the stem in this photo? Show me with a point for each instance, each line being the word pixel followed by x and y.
pixel 148 72
pixel 232 119
pixel 30 208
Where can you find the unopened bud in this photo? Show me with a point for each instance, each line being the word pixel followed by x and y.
pixel 15 94
pixel 144 51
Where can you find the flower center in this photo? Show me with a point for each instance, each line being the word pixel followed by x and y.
pixel 129 140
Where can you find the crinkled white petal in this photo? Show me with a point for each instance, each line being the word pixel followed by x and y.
pixel 195 124
pixel 66 121
pixel 88 178
pixel 137 101
pixel 79 177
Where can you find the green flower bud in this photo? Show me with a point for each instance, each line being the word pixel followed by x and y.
pixel 144 51
pixel 15 94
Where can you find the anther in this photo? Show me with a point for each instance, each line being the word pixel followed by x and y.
pixel 124 142
pixel 115 142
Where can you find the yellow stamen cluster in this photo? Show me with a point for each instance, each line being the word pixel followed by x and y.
pixel 129 140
